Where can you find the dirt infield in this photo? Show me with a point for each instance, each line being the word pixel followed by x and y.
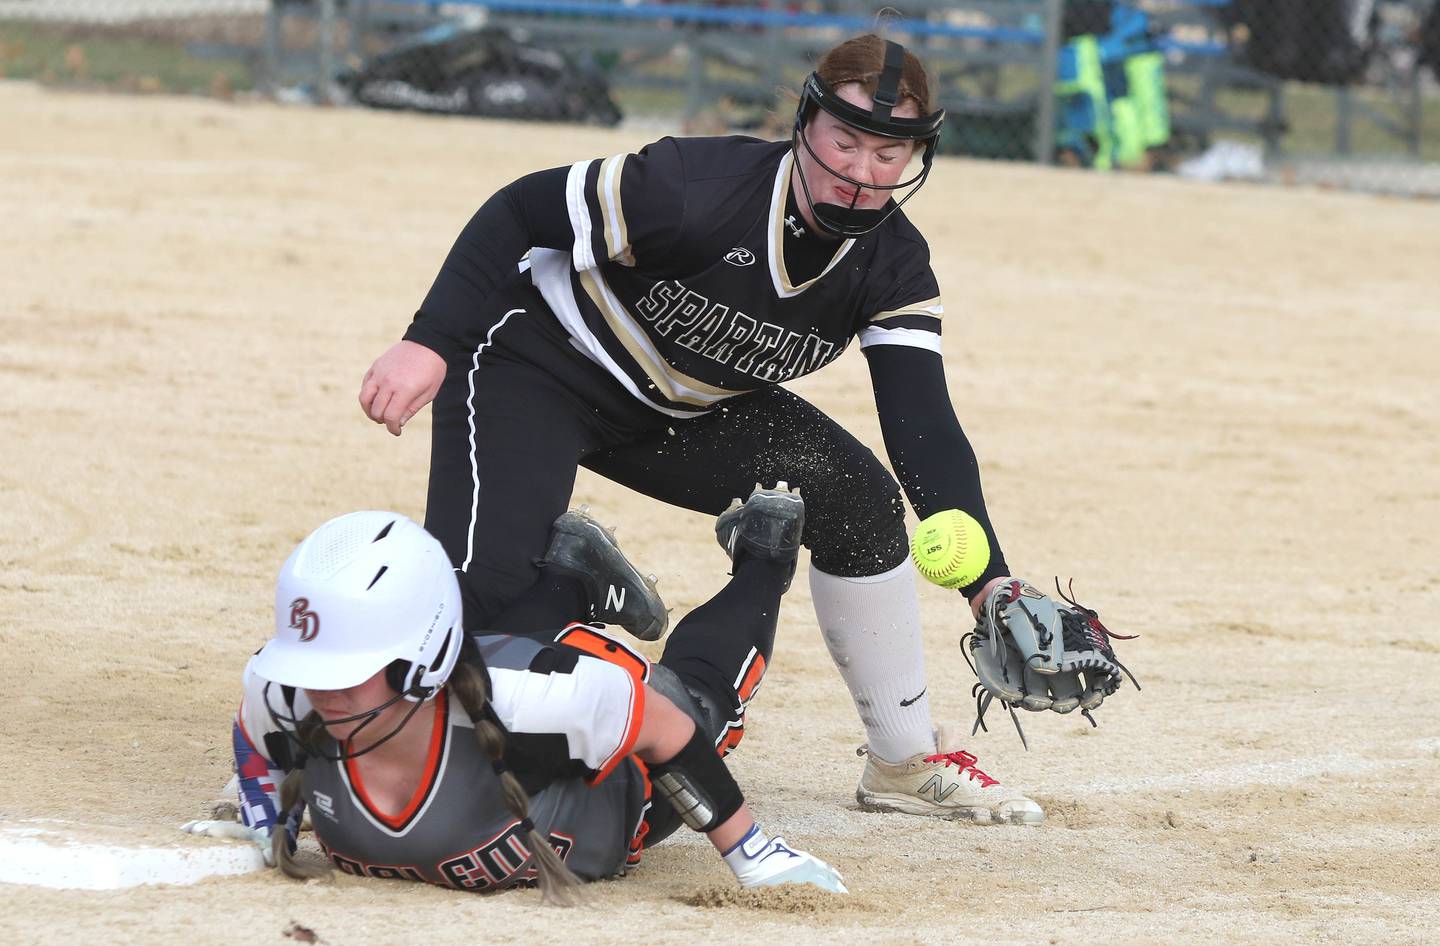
pixel 1217 407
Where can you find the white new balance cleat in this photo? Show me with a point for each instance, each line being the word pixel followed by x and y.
pixel 943 784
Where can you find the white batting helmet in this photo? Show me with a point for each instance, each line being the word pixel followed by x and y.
pixel 361 592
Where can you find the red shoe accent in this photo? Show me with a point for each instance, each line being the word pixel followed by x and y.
pixel 963 760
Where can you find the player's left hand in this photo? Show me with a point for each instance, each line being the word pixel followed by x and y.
pixel 1033 653
pixel 776 862
pixel 978 602
pixel 233 830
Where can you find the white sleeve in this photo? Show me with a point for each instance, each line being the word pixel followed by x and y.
pixel 597 707
pixel 257 774
pixel 254 719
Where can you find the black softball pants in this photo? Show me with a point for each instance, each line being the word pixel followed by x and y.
pixel 714 660
pixel 515 418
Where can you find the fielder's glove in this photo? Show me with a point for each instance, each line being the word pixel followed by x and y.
pixel 235 831
pixel 1038 655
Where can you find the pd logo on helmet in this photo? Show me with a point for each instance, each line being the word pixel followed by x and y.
pixel 304 620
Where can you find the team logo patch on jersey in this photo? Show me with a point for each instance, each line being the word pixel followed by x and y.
pixel 739 256
pixel 304 620
pixel 326 805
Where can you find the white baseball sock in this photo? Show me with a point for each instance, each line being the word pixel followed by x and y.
pixel 872 629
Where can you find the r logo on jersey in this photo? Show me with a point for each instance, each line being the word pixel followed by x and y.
pixel 739 256
pixel 304 620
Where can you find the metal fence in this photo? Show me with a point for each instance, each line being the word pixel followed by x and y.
pixel 1339 92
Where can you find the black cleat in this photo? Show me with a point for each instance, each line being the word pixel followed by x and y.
pixel 766 526
pixel 582 547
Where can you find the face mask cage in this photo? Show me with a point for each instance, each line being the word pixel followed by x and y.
pixel 848 221
pixel 305 734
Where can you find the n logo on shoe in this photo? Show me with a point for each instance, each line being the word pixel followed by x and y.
pixel 614 598
pixel 934 785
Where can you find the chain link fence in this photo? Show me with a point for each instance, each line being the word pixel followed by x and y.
pixel 1342 93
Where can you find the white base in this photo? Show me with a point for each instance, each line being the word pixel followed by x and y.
pixel 55 854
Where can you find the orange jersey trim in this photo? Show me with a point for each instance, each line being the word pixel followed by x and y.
pixel 432 758
pixel 745 689
pixel 632 732
pixel 636 667
pixel 637 841
pixel 585 638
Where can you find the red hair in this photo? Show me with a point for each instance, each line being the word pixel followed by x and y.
pixel 862 59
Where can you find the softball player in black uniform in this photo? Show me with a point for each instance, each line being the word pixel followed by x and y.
pixel 636 315
pixel 482 762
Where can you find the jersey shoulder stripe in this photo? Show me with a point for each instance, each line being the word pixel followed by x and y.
pixel 913 338
pixel 930 308
pixel 552 274
pixel 915 324
pixel 612 214
pixel 670 381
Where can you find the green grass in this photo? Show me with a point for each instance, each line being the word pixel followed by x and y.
pixel 113 58
pixel 1310 112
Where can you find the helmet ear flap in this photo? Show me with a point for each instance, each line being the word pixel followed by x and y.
pixel 418 683
pixel 398 674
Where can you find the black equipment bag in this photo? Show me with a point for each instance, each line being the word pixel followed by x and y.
pixel 485 71
pixel 1325 41
pixel 1430 40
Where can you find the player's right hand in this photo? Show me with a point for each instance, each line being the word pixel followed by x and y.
pixel 400 383
pixel 233 830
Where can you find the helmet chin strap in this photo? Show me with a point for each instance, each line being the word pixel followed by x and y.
pixel 292 728
pixel 851 220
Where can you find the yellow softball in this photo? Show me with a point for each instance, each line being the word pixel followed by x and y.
pixel 950 549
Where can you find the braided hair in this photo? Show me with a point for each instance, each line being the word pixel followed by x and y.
pixel 558 884
pixel 307 734
pixel 471 685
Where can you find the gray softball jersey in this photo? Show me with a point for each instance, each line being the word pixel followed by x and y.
pixel 571 716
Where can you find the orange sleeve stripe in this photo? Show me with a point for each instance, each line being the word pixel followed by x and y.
pixel 730 740
pixel 588 640
pixel 637 841
pixel 632 731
